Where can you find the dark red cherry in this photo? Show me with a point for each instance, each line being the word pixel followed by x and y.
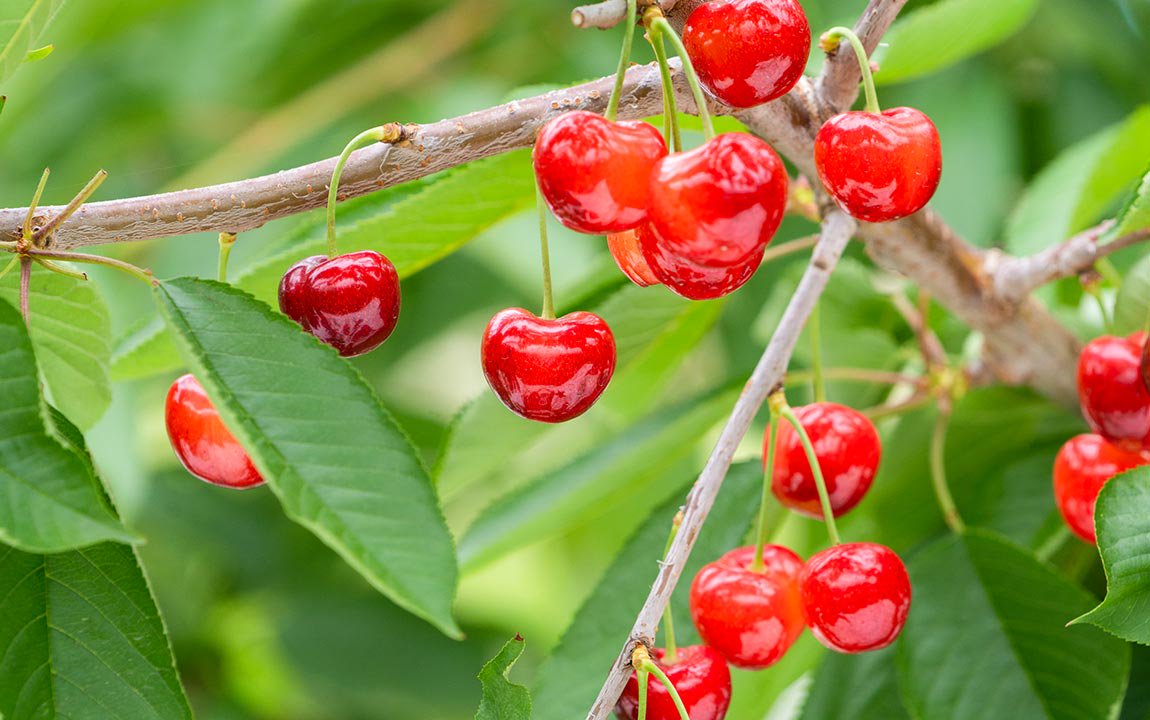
pixel 202 443
pixel 594 173
pixel 847 447
pixel 548 370
pixel 751 617
pixel 879 166
pixel 628 256
pixel 350 302
pixel 748 52
pixel 856 596
pixel 700 677
pixel 1084 464
pixel 1113 397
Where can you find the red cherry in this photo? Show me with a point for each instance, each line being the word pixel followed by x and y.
pixel 1114 400
pixel 694 282
pixel 548 370
pixel 628 256
pixel 700 677
pixel 350 302
pixel 748 52
pixel 879 166
pixel 847 447
pixel 856 596
pixel 204 445
pixel 751 617
pixel 594 173
pixel 1084 464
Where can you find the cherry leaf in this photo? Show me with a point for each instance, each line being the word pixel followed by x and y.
pixel 503 699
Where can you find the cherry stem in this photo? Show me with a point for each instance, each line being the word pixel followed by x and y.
pixel 768 475
pixel 25 283
pixel 30 217
pixel 70 209
pixel 624 60
pixel 8 268
pixel 545 253
pixel 642 677
pixel 660 24
pixel 779 400
pixel 938 473
pixel 649 665
pixel 830 40
pixel 670 110
pixel 672 648
pixel 384 133
pixel 60 269
pixel 1094 291
pixel 814 326
pixel 227 240
pixel 138 272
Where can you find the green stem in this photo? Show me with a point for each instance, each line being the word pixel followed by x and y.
pixel 813 460
pixel 548 300
pixel 885 411
pixel 642 677
pixel 624 60
pixel 938 474
pixel 81 198
pixel 1105 268
pixel 670 111
pixel 864 63
pixel 814 325
pixel 8 268
pixel 129 268
pixel 28 219
pixel 670 646
pixel 768 475
pixel 1107 320
pixel 664 28
pixel 383 133
pixel 60 269
pixel 227 240
pixel 650 666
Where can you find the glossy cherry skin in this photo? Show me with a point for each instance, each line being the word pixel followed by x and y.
pixel 879 166
pixel 594 173
pixel 1113 397
pixel 748 52
pixel 699 675
pixel 350 302
pixel 202 443
pixel 548 370
pixel 752 618
pixel 847 447
pixel 856 596
pixel 628 256
pixel 1083 465
pixel 690 280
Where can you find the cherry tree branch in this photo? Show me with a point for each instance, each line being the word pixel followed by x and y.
pixel 608 14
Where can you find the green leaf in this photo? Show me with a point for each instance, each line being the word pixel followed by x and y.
pixel 81 638
pixel 50 499
pixel 503 699
pixel 1132 306
pixel 859 687
pixel 334 457
pixel 1135 214
pixel 146 351
pixel 987 637
pixel 1122 518
pixel 70 330
pixel 569 681
pixel 22 24
pixel 926 40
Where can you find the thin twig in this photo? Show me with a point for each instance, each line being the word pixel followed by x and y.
pixel 607 14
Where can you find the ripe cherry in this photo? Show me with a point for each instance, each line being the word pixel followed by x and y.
pixel 204 445
pixel 628 256
pixel 1084 464
pixel 748 52
pixel 1113 397
pixel 548 370
pixel 752 617
pixel 350 302
pixel 700 677
pixel 879 166
pixel 856 596
pixel 594 173
pixel 848 450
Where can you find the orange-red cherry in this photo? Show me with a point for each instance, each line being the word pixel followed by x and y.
pixel 748 52
pixel 848 450
pixel 879 166
pixel 699 675
pixel 752 617
pixel 202 443
pixel 856 596
pixel 1113 397
pixel 595 173
pixel 1083 465
pixel 628 256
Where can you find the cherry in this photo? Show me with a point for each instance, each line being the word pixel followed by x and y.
pixel 1083 465
pixel 848 450
pixel 879 166
pixel 628 256
pixel 204 445
pixel 350 302
pixel 548 370
pixel 748 52
pixel 856 596
pixel 1113 397
pixel 594 173
pixel 692 281
pixel 700 677
pixel 751 617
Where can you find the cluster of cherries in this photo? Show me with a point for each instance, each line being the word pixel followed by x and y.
pixel 1114 392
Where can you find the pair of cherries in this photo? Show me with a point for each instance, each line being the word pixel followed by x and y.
pixel 1116 404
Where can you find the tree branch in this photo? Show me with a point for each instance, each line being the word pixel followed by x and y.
pixel 608 14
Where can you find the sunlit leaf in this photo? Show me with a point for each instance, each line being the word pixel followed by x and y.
pixel 503 699
pixel 22 24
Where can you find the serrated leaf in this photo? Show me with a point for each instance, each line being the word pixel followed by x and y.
pixel 334 457
pixel 50 499
pixel 503 699
pixel 1122 517
pixel 80 637
pixel 926 41
pixel 987 637
pixel 569 681
pixel 70 330
pixel 22 24
pixel 1135 215
pixel 146 351
pixel 859 687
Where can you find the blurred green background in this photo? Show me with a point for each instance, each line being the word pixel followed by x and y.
pixel 265 621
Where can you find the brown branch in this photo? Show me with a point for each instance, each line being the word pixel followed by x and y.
pixel 608 14
pixel 838 85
